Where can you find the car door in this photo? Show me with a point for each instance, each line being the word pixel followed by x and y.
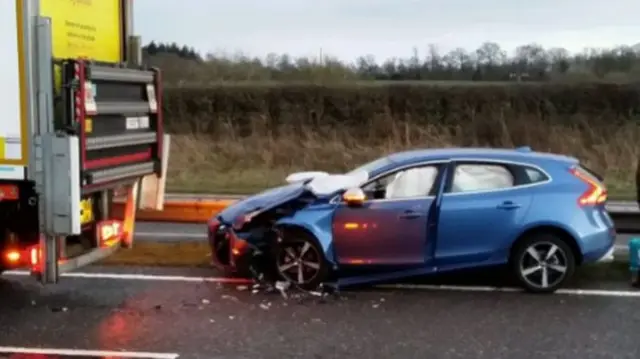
pixel 393 229
pixel 481 211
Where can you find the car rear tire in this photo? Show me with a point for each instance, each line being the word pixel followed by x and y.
pixel 299 259
pixel 542 262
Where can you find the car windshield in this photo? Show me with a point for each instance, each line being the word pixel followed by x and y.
pixel 372 166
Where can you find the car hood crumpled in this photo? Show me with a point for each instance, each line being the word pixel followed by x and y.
pixel 320 186
pixel 262 201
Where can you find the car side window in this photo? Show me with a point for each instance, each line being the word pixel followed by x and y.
pixel 535 176
pixel 408 183
pixel 481 177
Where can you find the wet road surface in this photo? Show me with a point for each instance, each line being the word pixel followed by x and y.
pixel 212 320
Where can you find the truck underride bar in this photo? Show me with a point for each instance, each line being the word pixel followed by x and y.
pixel 117 115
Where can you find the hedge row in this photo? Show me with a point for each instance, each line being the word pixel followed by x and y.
pixel 203 110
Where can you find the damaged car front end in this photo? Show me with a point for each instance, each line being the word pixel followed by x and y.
pixel 247 228
pixel 280 234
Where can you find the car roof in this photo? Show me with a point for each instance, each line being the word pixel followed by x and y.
pixel 523 154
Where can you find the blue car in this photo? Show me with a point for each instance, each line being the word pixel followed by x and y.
pixel 423 212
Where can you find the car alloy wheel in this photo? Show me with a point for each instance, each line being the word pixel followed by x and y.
pixel 544 265
pixel 299 262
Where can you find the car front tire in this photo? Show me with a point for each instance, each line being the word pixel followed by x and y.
pixel 300 260
pixel 543 262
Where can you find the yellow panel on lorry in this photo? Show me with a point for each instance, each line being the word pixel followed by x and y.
pixel 85 28
pixel 13 119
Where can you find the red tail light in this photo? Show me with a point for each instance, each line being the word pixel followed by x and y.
pixel 13 256
pixel 35 258
pixel 595 194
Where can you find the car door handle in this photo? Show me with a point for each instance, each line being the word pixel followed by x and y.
pixel 508 205
pixel 411 215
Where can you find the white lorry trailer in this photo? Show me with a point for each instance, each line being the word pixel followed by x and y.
pixel 80 121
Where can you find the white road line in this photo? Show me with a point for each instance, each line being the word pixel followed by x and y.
pixel 95 353
pixel 143 277
pixel 423 287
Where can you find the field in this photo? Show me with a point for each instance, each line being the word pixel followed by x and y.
pixel 243 138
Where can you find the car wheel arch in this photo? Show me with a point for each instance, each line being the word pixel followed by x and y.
pixel 558 231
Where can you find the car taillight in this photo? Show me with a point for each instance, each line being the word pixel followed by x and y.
pixel 595 194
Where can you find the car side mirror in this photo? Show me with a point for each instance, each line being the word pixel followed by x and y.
pixel 354 197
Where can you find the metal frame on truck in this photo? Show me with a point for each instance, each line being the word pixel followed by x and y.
pixel 91 120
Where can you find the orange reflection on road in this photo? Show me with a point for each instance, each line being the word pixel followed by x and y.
pixel 119 328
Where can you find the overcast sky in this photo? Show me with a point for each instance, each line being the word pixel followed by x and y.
pixel 384 28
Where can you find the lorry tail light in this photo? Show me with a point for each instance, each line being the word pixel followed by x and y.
pixel 595 194
pixel 13 256
pixel 35 256
pixel 9 192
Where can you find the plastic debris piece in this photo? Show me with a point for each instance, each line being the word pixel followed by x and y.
pixel 282 285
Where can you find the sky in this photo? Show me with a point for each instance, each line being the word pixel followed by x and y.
pixel 348 29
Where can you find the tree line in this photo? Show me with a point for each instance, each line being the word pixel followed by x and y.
pixel 182 64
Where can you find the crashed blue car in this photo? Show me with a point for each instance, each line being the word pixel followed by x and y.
pixel 422 212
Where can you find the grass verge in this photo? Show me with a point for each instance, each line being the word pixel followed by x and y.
pixel 179 254
pixel 233 162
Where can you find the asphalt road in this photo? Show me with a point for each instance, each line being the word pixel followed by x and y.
pixel 210 320
pixel 156 313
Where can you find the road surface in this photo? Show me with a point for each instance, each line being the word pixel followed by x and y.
pixel 189 317
pixel 186 313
